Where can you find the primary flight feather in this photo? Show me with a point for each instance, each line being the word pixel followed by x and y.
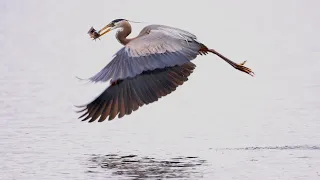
pixel 148 67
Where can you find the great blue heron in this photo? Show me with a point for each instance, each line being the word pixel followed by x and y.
pixel 148 67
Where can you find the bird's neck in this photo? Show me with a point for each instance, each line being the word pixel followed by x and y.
pixel 124 33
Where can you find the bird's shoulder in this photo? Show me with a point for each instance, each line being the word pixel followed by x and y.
pixel 166 31
pixel 162 36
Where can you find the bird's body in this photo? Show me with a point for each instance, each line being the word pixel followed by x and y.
pixel 148 67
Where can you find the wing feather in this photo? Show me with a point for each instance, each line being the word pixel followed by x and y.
pixel 155 48
pixel 106 111
pixel 137 89
pixel 129 99
pixel 129 94
pixel 122 107
pixel 114 109
pixel 98 112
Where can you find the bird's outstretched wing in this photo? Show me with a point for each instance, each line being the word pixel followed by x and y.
pixel 128 95
pixel 156 46
pixel 149 67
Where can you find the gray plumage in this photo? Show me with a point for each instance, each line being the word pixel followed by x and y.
pixel 156 47
pixel 148 67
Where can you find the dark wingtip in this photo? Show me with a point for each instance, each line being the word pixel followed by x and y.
pixel 79 106
pixel 79 111
pixel 81 79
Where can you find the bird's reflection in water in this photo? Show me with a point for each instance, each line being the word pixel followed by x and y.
pixel 146 167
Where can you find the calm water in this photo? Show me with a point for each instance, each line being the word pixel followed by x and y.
pixel 222 124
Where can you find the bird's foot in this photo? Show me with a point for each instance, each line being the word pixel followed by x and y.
pixel 243 68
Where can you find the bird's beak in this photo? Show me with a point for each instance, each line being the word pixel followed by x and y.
pixel 105 30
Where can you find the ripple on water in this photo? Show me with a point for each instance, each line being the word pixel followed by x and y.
pixel 297 147
pixel 138 167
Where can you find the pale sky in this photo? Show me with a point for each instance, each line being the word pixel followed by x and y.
pixel 44 45
pixel 279 40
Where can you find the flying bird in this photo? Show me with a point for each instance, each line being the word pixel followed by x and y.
pixel 148 67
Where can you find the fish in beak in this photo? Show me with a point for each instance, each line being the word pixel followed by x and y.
pixel 94 34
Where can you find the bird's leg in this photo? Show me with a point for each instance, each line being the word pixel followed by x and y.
pixel 113 83
pixel 240 66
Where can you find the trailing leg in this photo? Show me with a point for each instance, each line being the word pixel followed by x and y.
pixel 204 50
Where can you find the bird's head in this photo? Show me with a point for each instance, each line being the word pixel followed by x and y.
pixel 117 23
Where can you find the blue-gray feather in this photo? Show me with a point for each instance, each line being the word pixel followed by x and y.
pixel 156 47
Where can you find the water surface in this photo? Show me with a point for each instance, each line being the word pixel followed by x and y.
pixel 221 124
